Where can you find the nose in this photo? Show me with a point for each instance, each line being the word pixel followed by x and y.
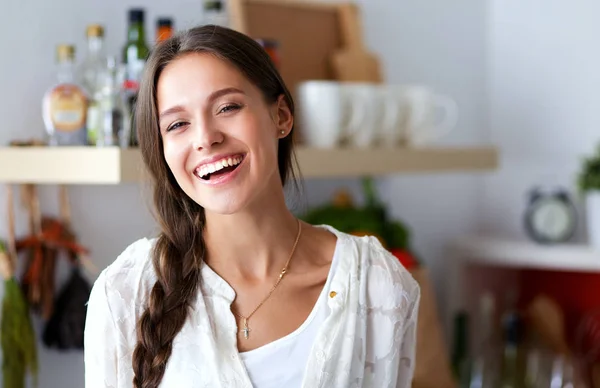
pixel 206 136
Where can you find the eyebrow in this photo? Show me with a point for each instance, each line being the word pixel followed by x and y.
pixel 213 96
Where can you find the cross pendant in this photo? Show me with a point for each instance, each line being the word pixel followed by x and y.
pixel 246 329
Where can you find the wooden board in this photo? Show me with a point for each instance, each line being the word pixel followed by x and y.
pixel 353 62
pixel 308 33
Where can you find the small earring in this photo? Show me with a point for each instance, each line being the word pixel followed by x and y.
pixel 282 132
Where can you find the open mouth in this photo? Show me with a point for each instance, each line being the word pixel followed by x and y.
pixel 219 168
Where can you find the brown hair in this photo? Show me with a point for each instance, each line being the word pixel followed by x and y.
pixel 179 249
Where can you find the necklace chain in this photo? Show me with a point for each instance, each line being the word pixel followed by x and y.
pixel 246 329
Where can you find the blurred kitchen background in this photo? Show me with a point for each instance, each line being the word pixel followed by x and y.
pixel 491 200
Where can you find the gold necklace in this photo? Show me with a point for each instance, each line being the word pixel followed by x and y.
pixel 246 329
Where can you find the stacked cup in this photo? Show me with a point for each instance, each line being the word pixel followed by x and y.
pixel 334 114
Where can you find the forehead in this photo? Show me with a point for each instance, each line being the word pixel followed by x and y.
pixel 199 74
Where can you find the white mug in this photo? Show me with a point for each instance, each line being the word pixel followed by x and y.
pixel 396 109
pixel 360 114
pixel 366 110
pixel 431 115
pixel 321 112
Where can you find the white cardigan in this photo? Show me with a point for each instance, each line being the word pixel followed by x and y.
pixel 368 339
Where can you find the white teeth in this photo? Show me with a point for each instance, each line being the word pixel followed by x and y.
pixel 218 165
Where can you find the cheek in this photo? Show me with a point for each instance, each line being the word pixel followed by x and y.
pixel 254 125
pixel 264 133
pixel 175 156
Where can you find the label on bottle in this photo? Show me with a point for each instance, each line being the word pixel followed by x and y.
pixel 135 68
pixel 67 108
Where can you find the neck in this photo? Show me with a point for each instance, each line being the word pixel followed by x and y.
pixel 65 72
pixel 254 244
pixel 95 47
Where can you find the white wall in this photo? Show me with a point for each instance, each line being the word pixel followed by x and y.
pixel 439 43
pixel 544 81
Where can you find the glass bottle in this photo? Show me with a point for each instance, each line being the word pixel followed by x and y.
pixel 110 106
pixel 483 370
pixel 135 54
pixel 164 29
pixel 91 69
pixel 64 105
pixel 215 13
pixel 460 349
pixel 513 355
pixel 95 58
pixel 537 362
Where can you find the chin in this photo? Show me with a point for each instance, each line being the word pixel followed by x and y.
pixel 223 208
pixel 224 201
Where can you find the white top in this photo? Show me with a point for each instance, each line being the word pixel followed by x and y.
pixel 367 340
pixel 281 363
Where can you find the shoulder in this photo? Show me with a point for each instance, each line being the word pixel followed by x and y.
pixel 386 282
pixel 134 261
pixel 124 284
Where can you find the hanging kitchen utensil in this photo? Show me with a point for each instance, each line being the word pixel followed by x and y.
pixel 17 336
pixel 40 262
pixel 78 256
pixel 65 328
pixel 49 237
pixel 353 63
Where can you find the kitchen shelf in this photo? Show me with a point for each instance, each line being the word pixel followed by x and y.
pixel 528 255
pixel 69 165
pixel 112 165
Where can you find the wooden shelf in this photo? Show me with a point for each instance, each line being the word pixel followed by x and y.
pixel 111 165
pixel 528 255
pixel 69 165
pixel 347 162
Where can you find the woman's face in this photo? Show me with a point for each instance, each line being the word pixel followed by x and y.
pixel 219 134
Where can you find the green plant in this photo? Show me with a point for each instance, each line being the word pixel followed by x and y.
pixel 372 218
pixel 589 176
pixel 17 336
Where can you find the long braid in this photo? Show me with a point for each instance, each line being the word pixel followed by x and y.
pixel 177 261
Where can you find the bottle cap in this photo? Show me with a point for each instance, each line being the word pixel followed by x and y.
pixel 213 5
pixel 65 52
pixel 164 22
pixel 136 15
pixel 95 30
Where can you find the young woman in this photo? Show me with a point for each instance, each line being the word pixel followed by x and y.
pixel 235 291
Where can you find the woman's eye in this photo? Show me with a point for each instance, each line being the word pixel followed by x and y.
pixel 229 108
pixel 176 126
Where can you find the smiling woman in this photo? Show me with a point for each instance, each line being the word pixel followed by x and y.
pixel 235 291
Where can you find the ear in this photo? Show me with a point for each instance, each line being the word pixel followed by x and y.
pixel 283 118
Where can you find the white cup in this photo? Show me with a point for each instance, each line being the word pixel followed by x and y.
pixel 359 114
pixel 321 114
pixel 393 123
pixel 431 115
pixel 364 102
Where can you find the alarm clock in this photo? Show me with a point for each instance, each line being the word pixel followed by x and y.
pixel 550 216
